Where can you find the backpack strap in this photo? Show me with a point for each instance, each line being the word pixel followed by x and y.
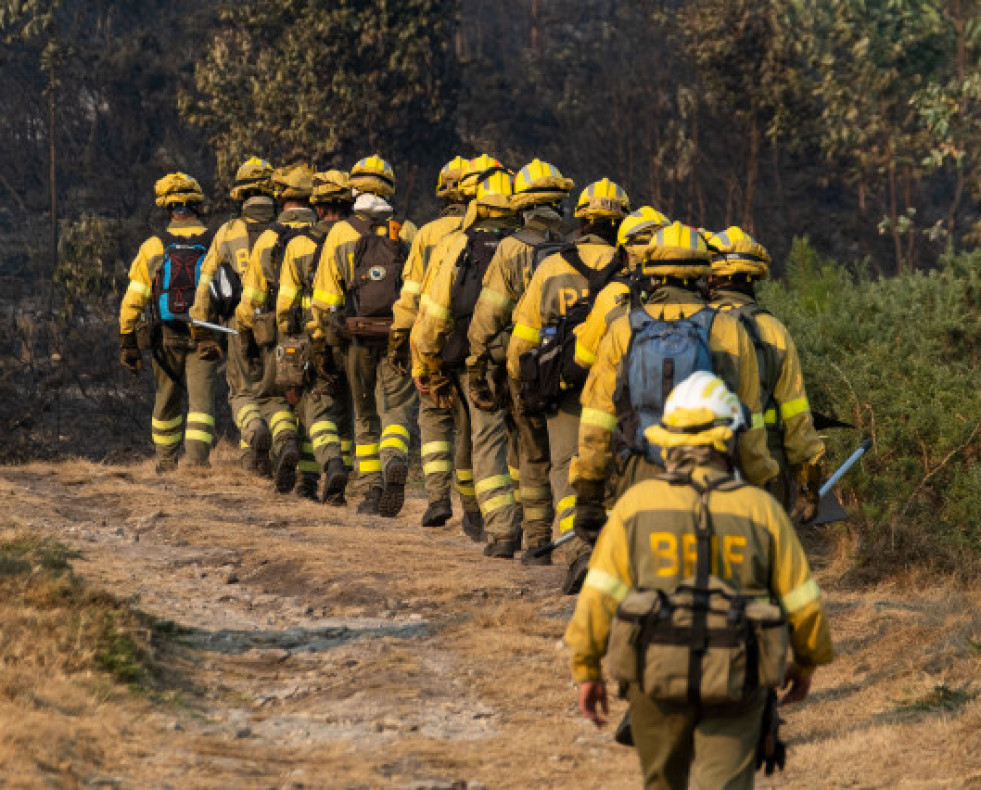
pixel 703 569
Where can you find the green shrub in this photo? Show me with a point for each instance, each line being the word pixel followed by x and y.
pixel 897 358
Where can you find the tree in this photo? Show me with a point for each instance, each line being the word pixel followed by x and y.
pixel 329 82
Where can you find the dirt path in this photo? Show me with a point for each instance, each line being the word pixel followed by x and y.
pixel 322 649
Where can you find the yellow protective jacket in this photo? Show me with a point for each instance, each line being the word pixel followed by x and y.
pixel 435 320
pixel 649 542
pixel 554 288
pixel 144 269
pixel 611 303
pixel 788 416
pixel 404 311
pixel 733 360
pixel 296 275
pixel 335 270
pixel 505 282
pixel 258 275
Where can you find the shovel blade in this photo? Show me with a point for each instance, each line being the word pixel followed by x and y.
pixel 830 510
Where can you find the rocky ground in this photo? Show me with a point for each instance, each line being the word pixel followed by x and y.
pixel 299 646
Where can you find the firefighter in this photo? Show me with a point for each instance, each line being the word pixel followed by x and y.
pixel 163 280
pixel 440 347
pixel 738 263
pixel 435 425
pixel 357 282
pixel 256 316
pixel 323 402
pixel 539 189
pixel 652 541
pixel 633 237
pixel 673 263
pixel 232 245
pixel 565 280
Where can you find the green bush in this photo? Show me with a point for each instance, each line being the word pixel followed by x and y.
pixel 897 358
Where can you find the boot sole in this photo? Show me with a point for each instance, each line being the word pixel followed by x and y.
pixel 334 487
pixel 286 470
pixel 393 493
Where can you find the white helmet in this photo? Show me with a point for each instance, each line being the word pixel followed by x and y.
pixel 700 410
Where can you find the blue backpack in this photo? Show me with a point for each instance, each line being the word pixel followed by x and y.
pixel 178 275
pixel 661 354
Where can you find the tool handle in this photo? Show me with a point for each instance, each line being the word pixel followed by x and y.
pixel 843 469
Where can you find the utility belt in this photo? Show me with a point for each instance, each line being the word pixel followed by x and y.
pixel 153 333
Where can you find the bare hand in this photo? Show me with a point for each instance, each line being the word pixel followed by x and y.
pixel 800 686
pixel 591 694
pixel 422 386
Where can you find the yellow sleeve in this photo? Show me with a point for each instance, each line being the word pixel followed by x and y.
pixel 496 302
pixel 434 324
pixel 254 284
pixel 408 232
pixel 793 586
pixel 290 285
pixel 140 287
pixel 755 460
pixel 607 583
pixel 527 332
pixel 328 282
pixel 800 439
pixel 406 307
pixel 598 419
pixel 591 331
pixel 212 260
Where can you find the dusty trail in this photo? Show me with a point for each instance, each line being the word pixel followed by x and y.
pixel 317 648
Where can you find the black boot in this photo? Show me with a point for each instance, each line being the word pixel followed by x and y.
pixel 502 549
pixel 393 495
pixel 260 452
pixel 532 557
pixel 284 475
pixel 335 482
pixel 306 486
pixel 473 525
pixel 438 513
pixel 369 505
pixel 576 575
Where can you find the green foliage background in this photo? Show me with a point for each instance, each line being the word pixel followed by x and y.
pixel 897 357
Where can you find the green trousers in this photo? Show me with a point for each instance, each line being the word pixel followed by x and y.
pixel 324 415
pixel 447 451
pixel 493 486
pixel 714 748
pixel 384 405
pixel 534 463
pixel 252 428
pixel 274 409
pixel 563 442
pixel 178 357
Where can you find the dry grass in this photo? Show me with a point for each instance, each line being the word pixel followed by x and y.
pixel 360 652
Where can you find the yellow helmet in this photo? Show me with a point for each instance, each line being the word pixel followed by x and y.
pixel 677 251
pixel 477 169
pixel 178 189
pixel 448 180
pixel 638 226
pixel 255 175
pixel 603 200
pixel 494 193
pixel 293 182
pixel 735 252
pixel 373 174
pixel 331 186
pixel 700 411
pixel 539 183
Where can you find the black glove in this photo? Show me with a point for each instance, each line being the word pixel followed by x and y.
pixel 480 390
pixel 399 356
pixel 322 359
pixel 808 501
pixel 129 353
pixel 588 520
pixel 204 339
pixel 441 391
pixel 250 349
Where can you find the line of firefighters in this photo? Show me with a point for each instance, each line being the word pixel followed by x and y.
pixel 352 325
pixel 538 370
